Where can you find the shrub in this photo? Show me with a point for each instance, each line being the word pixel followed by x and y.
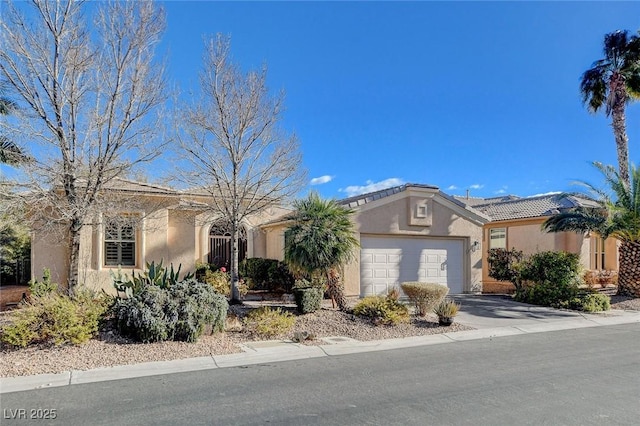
pixel 308 295
pixel 554 278
pixel 382 310
pixel 57 319
pixel 221 283
pixel 591 302
pixel 504 265
pixel 44 287
pixel 308 299
pixel 266 274
pixel 196 307
pixel 266 322
pixel 447 308
pixel 180 312
pixel 425 296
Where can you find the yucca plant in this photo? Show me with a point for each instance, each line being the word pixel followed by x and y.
pixel 618 215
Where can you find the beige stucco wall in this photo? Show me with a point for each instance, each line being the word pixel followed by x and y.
pixel 395 215
pixel 527 235
pixel 443 219
pixel 49 250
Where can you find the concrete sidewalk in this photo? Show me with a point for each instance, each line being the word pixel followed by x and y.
pixel 490 316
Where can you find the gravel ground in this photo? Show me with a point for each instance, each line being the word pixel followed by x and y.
pixel 625 303
pixel 109 349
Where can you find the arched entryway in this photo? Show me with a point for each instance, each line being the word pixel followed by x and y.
pixel 220 244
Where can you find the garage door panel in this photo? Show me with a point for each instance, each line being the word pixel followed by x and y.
pixel 387 262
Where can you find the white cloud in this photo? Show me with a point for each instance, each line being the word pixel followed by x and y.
pixel 371 186
pixel 545 193
pixel 451 187
pixel 476 186
pixel 500 191
pixel 320 180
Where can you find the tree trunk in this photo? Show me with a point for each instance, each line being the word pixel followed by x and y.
pixel 235 291
pixel 618 122
pixel 74 253
pixel 629 269
pixel 336 289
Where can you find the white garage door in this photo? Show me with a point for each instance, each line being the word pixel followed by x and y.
pixel 387 262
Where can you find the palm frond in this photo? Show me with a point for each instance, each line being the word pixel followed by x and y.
pixel 593 87
pixel 618 214
pixel 578 220
pixel 320 237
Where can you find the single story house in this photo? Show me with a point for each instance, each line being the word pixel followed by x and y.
pixel 411 232
pixel 517 223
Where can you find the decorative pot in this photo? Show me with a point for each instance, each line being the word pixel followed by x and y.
pixel 446 321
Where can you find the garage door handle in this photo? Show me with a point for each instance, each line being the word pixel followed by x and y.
pixel 443 265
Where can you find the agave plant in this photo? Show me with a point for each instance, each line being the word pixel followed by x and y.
pixel 618 215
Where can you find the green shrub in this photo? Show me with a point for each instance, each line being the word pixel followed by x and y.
pixel 197 306
pixel 425 296
pixel 553 279
pixel 504 265
pixel 382 310
pixel 180 312
pixel 266 274
pixel 44 287
pixel 221 282
pixel 146 316
pixel 266 322
pixel 591 302
pixel 308 296
pixel 56 319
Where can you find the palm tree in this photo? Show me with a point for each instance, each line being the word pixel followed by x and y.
pixel 320 241
pixel 618 216
pixel 612 82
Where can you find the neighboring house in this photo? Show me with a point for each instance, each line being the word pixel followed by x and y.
pixel 408 233
pixel 148 223
pixel 517 223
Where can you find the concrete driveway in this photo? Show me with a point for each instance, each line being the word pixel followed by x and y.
pixel 489 311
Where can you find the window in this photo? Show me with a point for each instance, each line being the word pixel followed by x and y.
pixel 119 243
pixel 498 238
pixel 597 253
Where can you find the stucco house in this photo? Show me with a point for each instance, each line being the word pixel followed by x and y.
pixel 517 223
pixel 412 232
pixel 148 223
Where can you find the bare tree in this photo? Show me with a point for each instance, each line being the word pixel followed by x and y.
pixel 87 97
pixel 239 155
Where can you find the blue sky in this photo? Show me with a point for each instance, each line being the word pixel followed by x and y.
pixel 479 96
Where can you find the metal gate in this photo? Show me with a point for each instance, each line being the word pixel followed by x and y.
pixel 220 244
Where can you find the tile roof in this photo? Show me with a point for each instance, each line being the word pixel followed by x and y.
pixel 359 200
pixel 511 207
pixel 121 184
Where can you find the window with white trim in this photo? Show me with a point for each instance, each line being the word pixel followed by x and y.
pixel 498 238
pixel 119 243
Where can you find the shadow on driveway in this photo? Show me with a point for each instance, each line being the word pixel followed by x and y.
pixel 482 311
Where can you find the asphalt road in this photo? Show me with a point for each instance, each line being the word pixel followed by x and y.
pixel 574 377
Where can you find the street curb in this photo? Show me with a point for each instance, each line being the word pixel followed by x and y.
pixel 288 351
